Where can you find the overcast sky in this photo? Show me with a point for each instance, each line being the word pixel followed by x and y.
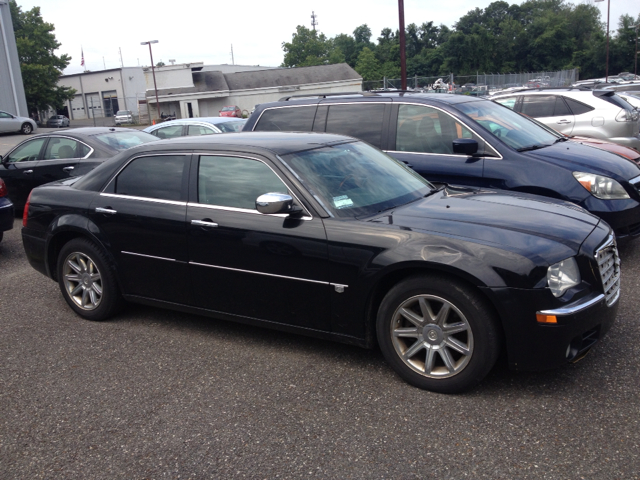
pixel 197 30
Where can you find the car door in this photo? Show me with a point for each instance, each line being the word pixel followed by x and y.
pixel 141 216
pixel 550 110
pixel 422 136
pixel 242 262
pixel 60 159
pixel 8 123
pixel 18 169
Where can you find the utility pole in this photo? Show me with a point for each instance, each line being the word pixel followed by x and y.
pixel 232 60
pixel 403 57
pixel 314 21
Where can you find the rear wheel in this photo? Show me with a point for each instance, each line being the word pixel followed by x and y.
pixel 26 128
pixel 438 334
pixel 86 281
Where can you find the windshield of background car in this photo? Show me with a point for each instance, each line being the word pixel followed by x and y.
pixel 124 140
pixel 355 179
pixel 228 109
pixel 231 126
pixel 123 112
pixel 513 129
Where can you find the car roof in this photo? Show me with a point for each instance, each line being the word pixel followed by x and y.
pixel 279 143
pixel 84 132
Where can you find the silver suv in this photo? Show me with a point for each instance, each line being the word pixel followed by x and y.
pixel 575 111
pixel 123 116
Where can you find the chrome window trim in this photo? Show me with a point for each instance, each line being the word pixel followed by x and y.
pixel 245 210
pixel 581 305
pixel 143 199
pixel 319 282
pixel 91 149
pixel 499 157
pixel 152 256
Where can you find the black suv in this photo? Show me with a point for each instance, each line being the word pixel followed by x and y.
pixel 458 139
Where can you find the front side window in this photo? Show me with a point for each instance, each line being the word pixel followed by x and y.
pixel 424 129
pixel 363 121
pixel 26 152
pixel 158 177
pixel 61 148
pixel 5 115
pixel 197 130
pixel 235 182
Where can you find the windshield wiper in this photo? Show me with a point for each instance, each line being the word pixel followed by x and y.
pixel 562 139
pixel 532 147
pixel 436 190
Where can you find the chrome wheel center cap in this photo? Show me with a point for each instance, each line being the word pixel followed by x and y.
pixel 86 280
pixel 432 334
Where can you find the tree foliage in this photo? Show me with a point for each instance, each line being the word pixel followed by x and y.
pixel 40 67
pixel 536 35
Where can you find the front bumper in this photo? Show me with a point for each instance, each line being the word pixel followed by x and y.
pixel 536 346
pixel 623 216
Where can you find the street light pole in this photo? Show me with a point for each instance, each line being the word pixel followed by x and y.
pixel 635 72
pixel 606 79
pixel 403 58
pixel 153 71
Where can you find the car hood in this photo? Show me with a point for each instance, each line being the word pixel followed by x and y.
pixel 584 158
pixel 522 223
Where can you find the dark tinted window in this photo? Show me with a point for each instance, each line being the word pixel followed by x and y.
pixel 363 121
pixel 153 177
pixel 235 182
pixel 577 108
pixel 82 150
pixel 538 105
pixel 287 119
pixel 561 108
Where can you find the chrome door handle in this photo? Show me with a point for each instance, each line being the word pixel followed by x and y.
pixel 27 172
pixel 105 210
pixel 67 169
pixel 203 223
pixel 563 122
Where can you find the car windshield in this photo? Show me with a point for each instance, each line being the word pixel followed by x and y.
pixel 355 179
pixel 231 126
pixel 513 129
pixel 123 112
pixel 228 109
pixel 124 140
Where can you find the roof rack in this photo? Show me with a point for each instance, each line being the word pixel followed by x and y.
pixel 528 89
pixel 325 95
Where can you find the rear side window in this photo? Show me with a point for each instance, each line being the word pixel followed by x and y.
pixel 509 102
pixel 287 119
pixel 62 148
pixel 197 130
pixel 577 108
pixel 153 177
pixel 539 105
pixel 363 121
pixel 172 131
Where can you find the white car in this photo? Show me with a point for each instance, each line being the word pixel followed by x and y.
pixel 10 123
pixel 123 116
pixel 196 126
pixel 574 111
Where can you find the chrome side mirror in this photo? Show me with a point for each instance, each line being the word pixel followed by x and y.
pixel 272 203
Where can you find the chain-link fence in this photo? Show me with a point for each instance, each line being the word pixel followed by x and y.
pixel 479 84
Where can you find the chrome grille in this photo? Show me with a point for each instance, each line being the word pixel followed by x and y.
pixel 609 267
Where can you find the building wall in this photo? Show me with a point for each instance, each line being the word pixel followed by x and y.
pixel 12 97
pixel 104 92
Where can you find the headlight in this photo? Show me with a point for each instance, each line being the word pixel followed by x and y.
pixel 562 276
pixel 600 186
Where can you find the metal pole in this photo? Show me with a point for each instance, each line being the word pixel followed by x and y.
pixel 403 57
pixel 6 49
pixel 155 86
pixel 93 113
pixel 635 72
pixel 606 76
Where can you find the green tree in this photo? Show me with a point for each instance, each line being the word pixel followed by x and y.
pixel 307 48
pixel 40 67
pixel 368 66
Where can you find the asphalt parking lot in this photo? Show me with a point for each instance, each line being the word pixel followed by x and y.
pixel 158 394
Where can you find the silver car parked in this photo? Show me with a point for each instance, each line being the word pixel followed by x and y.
pixel 10 123
pixel 575 111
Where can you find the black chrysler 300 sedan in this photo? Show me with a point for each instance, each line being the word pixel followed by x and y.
pixel 327 236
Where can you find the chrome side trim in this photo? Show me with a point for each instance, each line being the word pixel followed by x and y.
pixel 268 274
pixel 151 256
pixel 575 308
pixel 144 199
pixel 244 210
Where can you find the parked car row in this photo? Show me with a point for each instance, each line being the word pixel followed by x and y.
pixel 195 127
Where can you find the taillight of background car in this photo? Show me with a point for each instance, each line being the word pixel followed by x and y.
pixel 25 214
pixel 3 188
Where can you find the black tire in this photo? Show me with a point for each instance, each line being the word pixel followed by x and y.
pixel 26 128
pixel 450 352
pixel 86 281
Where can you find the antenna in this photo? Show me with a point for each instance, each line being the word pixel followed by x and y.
pixel 314 21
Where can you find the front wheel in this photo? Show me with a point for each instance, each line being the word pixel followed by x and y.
pixel 86 281
pixel 26 128
pixel 438 334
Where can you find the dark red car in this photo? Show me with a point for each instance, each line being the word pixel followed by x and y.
pixel 231 111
